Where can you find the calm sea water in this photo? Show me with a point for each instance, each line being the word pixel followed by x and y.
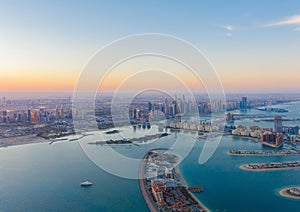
pixel 43 177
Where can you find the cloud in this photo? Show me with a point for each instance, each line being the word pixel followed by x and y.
pixel 293 20
pixel 227 27
pixel 297 29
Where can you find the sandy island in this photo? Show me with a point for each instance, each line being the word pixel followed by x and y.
pixel 244 167
pixel 261 155
pixel 284 192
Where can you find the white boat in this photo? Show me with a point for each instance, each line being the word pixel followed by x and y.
pixel 86 183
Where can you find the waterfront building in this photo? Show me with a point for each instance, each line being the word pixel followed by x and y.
pixel 295 191
pixel 272 139
pixel 290 130
pixel 169 173
pixel 229 117
pixel 158 187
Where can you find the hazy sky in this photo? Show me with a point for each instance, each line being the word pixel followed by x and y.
pixel 253 45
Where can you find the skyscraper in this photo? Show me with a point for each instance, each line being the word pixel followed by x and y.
pixel 28 115
pixel 166 106
pixel 277 124
pixel 4 116
pixel 61 112
pixel 243 103
pixel 149 106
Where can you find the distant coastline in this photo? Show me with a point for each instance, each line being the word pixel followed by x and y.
pixel 21 140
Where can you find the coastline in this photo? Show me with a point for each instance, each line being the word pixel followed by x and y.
pixel 284 192
pixel 21 140
pixel 183 183
pixel 243 167
pixel 145 196
pixel 152 206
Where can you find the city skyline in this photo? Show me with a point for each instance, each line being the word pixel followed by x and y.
pixel 149 105
pixel 46 45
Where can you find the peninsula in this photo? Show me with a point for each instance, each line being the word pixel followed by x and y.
pixel 162 186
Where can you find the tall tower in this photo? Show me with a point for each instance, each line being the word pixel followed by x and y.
pixel 277 124
pixel 61 112
pixel 243 103
pixel 149 106
pixel 29 115
pixel 4 116
pixel 166 106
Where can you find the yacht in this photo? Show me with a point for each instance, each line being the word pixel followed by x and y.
pixel 86 183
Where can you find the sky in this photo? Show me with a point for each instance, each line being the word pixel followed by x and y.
pixel 253 45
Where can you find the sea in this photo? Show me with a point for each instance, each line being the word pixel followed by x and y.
pixel 43 177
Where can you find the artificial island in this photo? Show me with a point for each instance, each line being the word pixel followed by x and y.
pixel 291 192
pixel 162 186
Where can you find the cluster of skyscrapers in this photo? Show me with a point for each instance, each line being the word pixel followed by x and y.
pixel 169 107
pixel 40 115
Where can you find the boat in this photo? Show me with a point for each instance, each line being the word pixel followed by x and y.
pixel 86 183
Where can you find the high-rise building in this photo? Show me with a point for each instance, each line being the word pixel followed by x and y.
pixel 56 112
pixel 4 116
pixel 61 112
pixel 29 116
pixel 272 139
pixel 243 103
pixel 166 106
pixel 149 106
pixel 175 108
pixel 277 124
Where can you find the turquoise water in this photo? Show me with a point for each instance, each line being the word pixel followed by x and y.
pixel 228 188
pixel 43 177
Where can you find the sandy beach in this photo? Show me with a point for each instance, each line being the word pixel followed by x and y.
pixel 284 192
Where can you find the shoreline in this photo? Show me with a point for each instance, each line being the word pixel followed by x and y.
pixel 141 176
pixel 183 183
pixel 243 167
pixel 284 192
pixel 147 197
pixel 21 140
